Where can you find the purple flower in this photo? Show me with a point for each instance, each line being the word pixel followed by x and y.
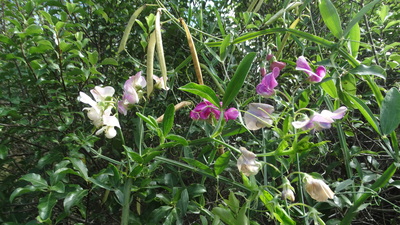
pixel 258 116
pixel 204 110
pixel 132 92
pixel 316 77
pixel 268 83
pixel 320 121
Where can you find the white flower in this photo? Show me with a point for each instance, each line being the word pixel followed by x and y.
pixel 247 163
pixel 258 116
pixel 160 84
pixel 317 189
pixel 288 193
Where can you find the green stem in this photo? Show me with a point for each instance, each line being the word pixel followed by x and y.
pixel 127 201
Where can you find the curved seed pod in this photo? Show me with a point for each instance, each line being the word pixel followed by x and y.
pixel 160 49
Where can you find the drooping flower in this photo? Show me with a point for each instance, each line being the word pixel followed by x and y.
pixel 100 111
pixel 268 83
pixel 247 163
pixel 132 92
pixel 160 84
pixel 287 190
pixel 315 77
pixel 258 116
pixel 320 121
pixel 204 110
pixel 317 189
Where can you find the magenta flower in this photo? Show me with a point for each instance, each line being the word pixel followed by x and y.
pixel 268 83
pixel 320 121
pixel 278 64
pixel 204 110
pixel 316 77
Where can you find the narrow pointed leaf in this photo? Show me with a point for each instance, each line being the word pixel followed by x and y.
pixel 354 40
pixel 365 111
pixel 331 17
pixel 168 120
pixel 237 80
pixel 222 162
pixel 369 70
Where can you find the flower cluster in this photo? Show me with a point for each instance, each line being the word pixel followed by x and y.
pixel 100 111
pixel 204 110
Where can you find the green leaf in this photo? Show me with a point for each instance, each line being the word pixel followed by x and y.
pixel 33 29
pixel 74 198
pixel 109 61
pixel 331 17
pixel 223 47
pixel 365 111
pixel 233 203
pixel 369 70
pixel 183 202
pixel 349 83
pixel 20 191
pixel 359 16
pixel 93 57
pixel 80 167
pixel 168 121
pixel 354 40
pixel 390 111
pixel 329 87
pixel 225 215
pixel 36 180
pixel 134 156
pixel 202 91
pixel 222 162
pixel 46 205
pixel 237 80
pixel 181 140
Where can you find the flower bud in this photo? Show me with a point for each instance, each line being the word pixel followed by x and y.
pixel 287 193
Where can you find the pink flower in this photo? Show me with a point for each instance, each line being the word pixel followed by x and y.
pixel 268 83
pixel 204 110
pixel 316 77
pixel 320 121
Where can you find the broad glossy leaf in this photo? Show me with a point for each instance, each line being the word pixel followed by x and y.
pixel 80 167
pixel 46 205
pixel 331 17
pixel 238 78
pixel 20 191
pixel 74 198
pixel 36 180
pixel 202 91
pixel 390 111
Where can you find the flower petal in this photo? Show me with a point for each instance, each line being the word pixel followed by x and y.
pixel 302 65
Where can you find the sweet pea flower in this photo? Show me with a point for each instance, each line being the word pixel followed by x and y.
pixel 277 64
pixel 109 122
pixel 320 121
pixel 204 110
pixel 100 111
pixel 317 189
pixel 258 116
pixel 132 92
pixel 247 163
pixel 287 190
pixel 268 83
pixel 160 84
pixel 302 65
